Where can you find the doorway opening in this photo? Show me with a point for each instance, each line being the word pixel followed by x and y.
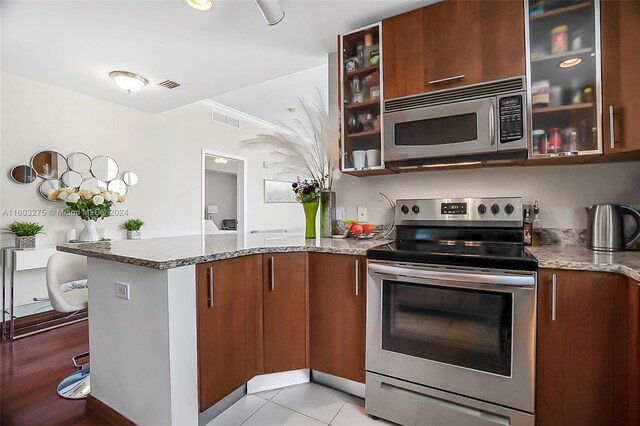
pixel 223 207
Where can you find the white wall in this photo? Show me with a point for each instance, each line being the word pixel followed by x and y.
pixel 164 150
pixel 563 191
pixel 221 189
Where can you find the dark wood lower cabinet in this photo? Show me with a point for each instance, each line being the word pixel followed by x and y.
pixel 634 352
pixel 337 314
pixel 285 311
pixel 582 349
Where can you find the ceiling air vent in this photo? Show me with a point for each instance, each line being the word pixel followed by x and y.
pixel 168 84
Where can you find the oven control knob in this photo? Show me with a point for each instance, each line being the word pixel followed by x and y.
pixel 508 209
pixel 482 209
pixel 415 209
pixel 495 209
pixel 404 209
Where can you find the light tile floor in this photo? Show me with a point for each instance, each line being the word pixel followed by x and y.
pixel 301 405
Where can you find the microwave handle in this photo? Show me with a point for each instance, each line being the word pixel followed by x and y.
pixel 492 123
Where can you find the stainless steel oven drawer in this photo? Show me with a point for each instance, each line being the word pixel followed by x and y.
pixel 413 405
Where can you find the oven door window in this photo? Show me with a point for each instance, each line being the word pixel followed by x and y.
pixel 437 131
pixel 462 327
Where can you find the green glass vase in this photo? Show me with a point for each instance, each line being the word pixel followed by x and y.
pixel 310 212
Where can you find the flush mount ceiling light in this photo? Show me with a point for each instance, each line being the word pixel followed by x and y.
pixel 128 81
pixel 271 11
pixel 571 62
pixel 220 160
pixel 201 5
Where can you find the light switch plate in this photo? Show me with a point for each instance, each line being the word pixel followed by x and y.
pixel 340 215
pixel 362 214
pixel 123 290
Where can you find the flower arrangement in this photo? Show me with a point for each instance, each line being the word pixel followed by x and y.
pixel 91 204
pixel 307 191
pixel 309 147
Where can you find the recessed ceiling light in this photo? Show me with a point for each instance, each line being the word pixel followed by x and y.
pixel 128 81
pixel 220 160
pixel 201 5
pixel 571 62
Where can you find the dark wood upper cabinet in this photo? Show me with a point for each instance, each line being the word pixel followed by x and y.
pixel 222 356
pixel 452 43
pixel 337 315
pixel 582 354
pixel 620 32
pixel 285 311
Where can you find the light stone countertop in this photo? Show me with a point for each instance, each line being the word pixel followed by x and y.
pixel 173 252
pixel 582 259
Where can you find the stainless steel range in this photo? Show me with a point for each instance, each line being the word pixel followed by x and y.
pixel 451 316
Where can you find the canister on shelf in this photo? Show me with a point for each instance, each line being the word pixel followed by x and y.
pixel 554 140
pixel 559 39
pixel 539 142
pixel 587 95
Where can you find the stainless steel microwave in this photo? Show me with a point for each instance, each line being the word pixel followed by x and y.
pixel 487 120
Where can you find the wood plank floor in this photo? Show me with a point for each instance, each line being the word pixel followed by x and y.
pixel 30 370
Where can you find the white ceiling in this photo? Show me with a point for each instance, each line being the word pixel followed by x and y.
pixel 271 99
pixel 75 44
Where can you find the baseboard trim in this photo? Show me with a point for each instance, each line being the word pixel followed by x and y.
pixel 266 382
pixel 98 409
pixel 216 409
pixel 339 383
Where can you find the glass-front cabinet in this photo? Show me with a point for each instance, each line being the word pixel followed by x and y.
pixel 361 100
pixel 563 40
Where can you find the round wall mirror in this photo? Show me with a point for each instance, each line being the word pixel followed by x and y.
pixel 90 183
pixel 104 168
pixel 130 178
pixel 71 179
pixel 118 186
pixel 79 162
pixel 49 164
pixel 23 174
pixel 48 186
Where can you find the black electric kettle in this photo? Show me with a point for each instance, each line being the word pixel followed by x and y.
pixel 605 231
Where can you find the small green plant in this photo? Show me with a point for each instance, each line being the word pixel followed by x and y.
pixel 25 229
pixel 133 224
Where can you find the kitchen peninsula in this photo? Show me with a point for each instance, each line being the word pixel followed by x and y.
pixel 144 342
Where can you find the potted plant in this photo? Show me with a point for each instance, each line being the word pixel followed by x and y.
pixel 133 228
pixel 25 233
pixel 308 193
pixel 89 205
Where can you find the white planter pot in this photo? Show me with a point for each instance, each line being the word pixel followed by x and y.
pixel 89 234
pixel 134 235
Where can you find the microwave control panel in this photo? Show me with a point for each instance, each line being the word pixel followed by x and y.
pixel 511 118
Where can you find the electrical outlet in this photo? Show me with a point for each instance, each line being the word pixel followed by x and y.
pixel 122 290
pixel 340 215
pixel 362 214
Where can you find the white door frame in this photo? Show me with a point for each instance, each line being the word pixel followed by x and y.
pixel 241 187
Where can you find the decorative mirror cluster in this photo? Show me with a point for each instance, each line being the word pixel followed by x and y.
pixel 77 170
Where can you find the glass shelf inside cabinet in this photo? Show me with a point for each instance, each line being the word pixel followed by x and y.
pixel 564 73
pixel 361 100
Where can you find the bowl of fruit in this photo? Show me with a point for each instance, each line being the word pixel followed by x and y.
pixel 357 230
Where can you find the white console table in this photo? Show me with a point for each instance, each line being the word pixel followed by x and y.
pixel 15 260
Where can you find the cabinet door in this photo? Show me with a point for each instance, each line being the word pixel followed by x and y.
pixel 577 379
pixel 634 352
pixel 337 312
pixel 285 311
pixel 452 43
pixel 221 329
pixel 620 70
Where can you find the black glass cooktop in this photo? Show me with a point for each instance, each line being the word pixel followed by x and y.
pixel 496 255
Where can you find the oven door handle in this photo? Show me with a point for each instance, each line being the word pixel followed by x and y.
pixel 465 277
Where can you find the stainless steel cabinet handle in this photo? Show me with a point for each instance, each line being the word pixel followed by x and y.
pixel 492 126
pixel 211 284
pixel 444 80
pixel 357 277
pixel 554 297
pixel 272 274
pixel 612 128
